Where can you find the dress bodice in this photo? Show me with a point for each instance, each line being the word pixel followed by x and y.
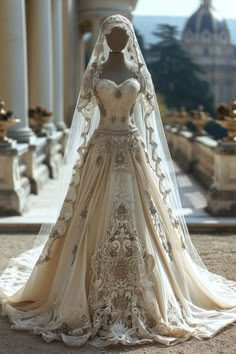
pixel 116 104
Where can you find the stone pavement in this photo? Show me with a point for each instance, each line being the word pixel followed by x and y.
pixel 218 253
pixel 193 198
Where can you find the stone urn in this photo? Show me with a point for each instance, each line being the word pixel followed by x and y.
pixel 7 121
pixel 229 124
pixel 200 118
pixel 168 116
pixel 199 123
pixel 38 117
pixel 233 109
pixel 228 120
pixel 177 119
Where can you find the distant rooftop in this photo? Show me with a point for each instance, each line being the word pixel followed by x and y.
pixel 206 19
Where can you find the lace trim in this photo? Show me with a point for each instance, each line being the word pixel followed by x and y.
pixel 66 213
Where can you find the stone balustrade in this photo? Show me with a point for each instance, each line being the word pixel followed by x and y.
pixel 14 183
pixel 212 162
pixel 25 168
pixel 184 152
pixel 36 168
pixel 221 198
pixel 204 155
pixel 54 154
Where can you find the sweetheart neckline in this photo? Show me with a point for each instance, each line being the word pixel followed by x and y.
pixel 118 85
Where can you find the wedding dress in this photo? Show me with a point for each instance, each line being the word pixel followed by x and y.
pixel 118 265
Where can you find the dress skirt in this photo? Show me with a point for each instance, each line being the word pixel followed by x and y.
pixel 116 268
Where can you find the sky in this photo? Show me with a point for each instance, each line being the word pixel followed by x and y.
pixel 182 7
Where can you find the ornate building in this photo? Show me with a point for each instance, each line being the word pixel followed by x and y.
pixel 42 62
pixel 207 38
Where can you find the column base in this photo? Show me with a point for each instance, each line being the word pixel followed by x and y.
pixel 22 135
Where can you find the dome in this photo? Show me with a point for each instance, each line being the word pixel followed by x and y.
pixel 206 19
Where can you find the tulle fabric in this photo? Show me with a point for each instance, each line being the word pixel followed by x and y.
pixel 58 288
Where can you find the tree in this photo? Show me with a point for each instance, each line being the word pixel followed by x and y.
pixel 140 41
pixel 174 73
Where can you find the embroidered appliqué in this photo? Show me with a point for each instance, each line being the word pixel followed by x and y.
pixel 121 272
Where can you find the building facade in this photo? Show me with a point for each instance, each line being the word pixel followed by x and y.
pixel 207 39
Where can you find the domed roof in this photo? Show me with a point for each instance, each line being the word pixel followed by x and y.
pixel 206 19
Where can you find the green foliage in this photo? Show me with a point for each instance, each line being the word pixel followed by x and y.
pixel 174 73
pixel 140 41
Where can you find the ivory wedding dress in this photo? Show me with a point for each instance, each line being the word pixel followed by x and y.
pixel 117 266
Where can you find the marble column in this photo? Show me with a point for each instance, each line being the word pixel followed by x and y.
pixel 41 87
pixel 58 80
pixel 13 64
pixel 70 48
pixel 40 55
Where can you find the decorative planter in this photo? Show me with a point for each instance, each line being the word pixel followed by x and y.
pixel 200 123
pixel 38 117
pixel 4 126
pixel 230 125
pixel 178 122
pixel 7 121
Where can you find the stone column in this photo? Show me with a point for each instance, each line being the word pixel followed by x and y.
pixel 70 48
pixel 13 64
pixel 41 86
pixel 58 80
pixel 40 55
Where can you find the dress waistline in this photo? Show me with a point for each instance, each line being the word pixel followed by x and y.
pixel 99 131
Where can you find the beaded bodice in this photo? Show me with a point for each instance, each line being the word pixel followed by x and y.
pixel 116 104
